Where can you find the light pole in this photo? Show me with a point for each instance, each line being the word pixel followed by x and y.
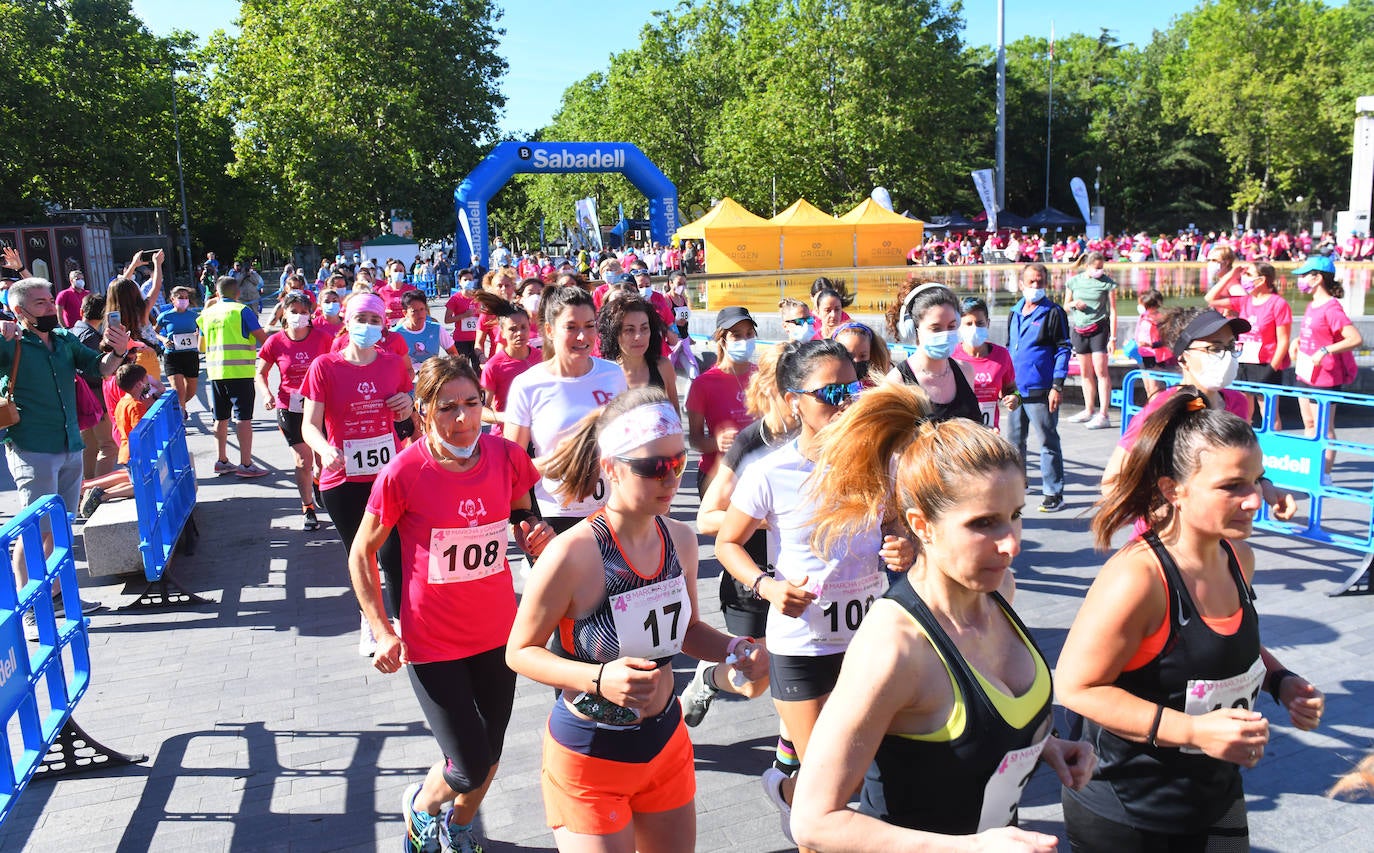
pixel 1097 186
pixel 181 177
pixel 1001 152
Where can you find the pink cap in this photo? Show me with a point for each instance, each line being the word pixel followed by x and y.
pixel 360 302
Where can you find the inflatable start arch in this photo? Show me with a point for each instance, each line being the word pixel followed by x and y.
pixel 510 158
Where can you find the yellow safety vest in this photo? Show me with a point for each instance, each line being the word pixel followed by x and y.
pixel 229 354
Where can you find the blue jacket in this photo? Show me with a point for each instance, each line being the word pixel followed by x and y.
pixel 1039 345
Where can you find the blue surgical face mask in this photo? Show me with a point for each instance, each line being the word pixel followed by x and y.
pixel 974 336
pixel 459 452
pixel 1034 294
pixel 331 309
pixel 741 351
pixel 364 335
pixel 801 332
pixel 646 292
pixel 938 344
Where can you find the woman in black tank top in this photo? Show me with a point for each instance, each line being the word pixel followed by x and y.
pixel 909 674
pixel 631 334
pixel 1164 659
pixel 931 314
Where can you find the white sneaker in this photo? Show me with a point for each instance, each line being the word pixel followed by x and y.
pixel 1081 417
pixel 772 786
pixel 1099 422
pixel 367 643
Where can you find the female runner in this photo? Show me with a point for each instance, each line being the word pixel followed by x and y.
pixel 994 376
pixel 292 351
pixel 353 399
pixel 631 335
pixel 547 401
pixel 1164 659
pixel 620 590
pixel 943 706
pixel 452 496
pixel 810 622
pixel 930 313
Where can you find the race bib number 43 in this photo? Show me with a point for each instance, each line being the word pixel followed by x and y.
pixel 462 554
pixel 186 341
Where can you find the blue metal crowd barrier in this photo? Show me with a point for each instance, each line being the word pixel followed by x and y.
pixel 164 482
pixel 37 687
pixel 1296 463
pixel 427 283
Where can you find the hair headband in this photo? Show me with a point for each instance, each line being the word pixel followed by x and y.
pixel 638 427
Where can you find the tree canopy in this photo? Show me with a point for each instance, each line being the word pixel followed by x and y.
pixel 320 116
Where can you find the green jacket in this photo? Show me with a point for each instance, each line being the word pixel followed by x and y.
pixel 45 390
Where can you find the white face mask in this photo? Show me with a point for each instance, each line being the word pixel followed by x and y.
pixel 297 321
pixel 530 303
pixel 1213 268
pixel 79 284
pixel 1140 309
pixel 1213 372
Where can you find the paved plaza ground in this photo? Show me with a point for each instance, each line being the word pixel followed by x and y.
pixel 265 730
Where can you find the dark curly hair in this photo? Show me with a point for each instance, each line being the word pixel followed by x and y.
pixel 612 317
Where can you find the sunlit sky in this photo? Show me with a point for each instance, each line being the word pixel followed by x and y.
pixel 586 36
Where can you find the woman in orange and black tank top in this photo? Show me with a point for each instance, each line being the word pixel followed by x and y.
pixel 619 589
pixel 1164 659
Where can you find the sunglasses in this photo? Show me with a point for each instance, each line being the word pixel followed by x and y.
pixel 801 321
pixel 656 467
pixel 835 394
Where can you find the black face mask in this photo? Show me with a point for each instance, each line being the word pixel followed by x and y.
pixel 861 370
pixel 45 324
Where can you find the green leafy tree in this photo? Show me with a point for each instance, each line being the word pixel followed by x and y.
pixel 338 123
pixel 1251 73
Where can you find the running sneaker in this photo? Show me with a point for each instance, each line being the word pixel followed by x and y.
pixel 367 643
pixel 91 502
pixel 224 466
pixel 772 786
pixel 30 626
pixel 87 607
pixel 1051 503
pixel 1099 422
pixel 422 828
pixel 310 521
pixel 250 471
pixel 696 698
pixel 461 839
pixel 1082 417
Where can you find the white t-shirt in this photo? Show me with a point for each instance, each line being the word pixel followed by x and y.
pixel 774 489
pixel 550 406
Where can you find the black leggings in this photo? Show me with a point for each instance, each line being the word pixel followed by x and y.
pixel 467 703
pixel 346 504
pixel 1090 832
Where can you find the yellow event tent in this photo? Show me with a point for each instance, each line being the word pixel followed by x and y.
pixel 882 238
pixel 736 240
pixel 813 239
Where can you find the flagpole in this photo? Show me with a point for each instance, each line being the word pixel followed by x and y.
pixel 1049 119
pixel 1001 104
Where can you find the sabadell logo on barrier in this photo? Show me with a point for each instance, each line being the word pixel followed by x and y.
pixel 543 158
pixel 1288 463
